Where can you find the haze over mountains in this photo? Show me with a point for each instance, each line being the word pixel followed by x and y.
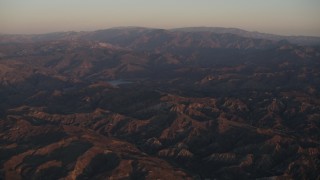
pixel 301 40
pixel 140 103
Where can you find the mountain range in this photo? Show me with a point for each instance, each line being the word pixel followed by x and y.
pixel 141 103
pixel 134 31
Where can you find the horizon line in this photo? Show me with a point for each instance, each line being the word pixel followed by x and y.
pixel 158 28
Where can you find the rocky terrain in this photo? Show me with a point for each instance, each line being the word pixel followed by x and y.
pixel 138 103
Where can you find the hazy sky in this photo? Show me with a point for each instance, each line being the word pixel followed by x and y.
pixel 289 17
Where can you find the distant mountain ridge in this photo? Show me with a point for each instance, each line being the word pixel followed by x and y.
pixel 301 40
pixel 132 33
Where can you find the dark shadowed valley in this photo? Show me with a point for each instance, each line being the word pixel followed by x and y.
pixel 139 103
